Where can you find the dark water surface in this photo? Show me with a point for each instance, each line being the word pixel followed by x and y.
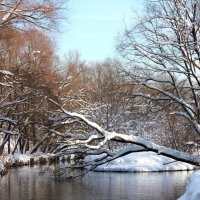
pixel 25 184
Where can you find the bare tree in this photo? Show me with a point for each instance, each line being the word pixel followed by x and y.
pixel 26 74
pixel 28 78
pixel 163 49
pixel 40 13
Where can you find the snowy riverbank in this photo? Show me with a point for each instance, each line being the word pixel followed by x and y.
pixel 23 159
pixel 134 162
pixel 142 162
pixel 151 162
pixel 193 187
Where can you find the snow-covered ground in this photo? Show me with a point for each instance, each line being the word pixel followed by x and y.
pixel 193 187
pixel 22 159
pixel 142 162
pixel 12 160
pixel 133 162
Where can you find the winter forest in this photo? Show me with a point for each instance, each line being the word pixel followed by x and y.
pixel 148 100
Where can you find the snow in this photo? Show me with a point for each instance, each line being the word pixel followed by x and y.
pixel 192 189
pixel 142 162
pixel 2 167
pixel 16 159
pixel 5 17
pixel 133 162
pixel 23 159
pixel 6 72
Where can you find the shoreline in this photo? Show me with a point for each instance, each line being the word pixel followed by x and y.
pixel 16 160
pixel 191 191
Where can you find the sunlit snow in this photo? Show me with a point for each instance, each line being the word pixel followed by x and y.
pixel 193 188
pixel 142 162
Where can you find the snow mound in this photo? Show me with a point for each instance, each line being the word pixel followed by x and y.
pixel 142 162
pixel 192 189
pixel 16 159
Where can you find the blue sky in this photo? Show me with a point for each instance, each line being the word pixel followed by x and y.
pixel 93 27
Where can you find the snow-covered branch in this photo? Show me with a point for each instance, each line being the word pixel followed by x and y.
pixel 35 13
pixel 163 48
pixel 94 143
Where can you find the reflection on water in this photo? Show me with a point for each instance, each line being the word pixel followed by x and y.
pixel 26 184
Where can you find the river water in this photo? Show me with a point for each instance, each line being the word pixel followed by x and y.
pixel 25 183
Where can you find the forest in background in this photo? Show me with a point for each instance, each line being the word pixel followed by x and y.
pixel 146 97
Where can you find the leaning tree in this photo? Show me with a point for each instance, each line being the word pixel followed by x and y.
pixel 92 139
